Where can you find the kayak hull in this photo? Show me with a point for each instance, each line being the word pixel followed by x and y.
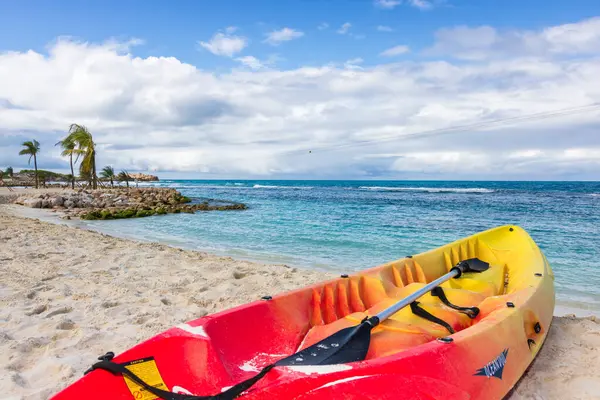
pixel 482 360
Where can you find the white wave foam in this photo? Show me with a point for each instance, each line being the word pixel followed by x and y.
pixel 426 189
pixel 280 187
pixel 208 187
pixel 595 194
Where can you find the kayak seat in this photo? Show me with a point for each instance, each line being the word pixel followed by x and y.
pixel 348 301
pixel 404 329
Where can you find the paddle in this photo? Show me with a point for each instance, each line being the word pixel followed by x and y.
pixel 352 344
pixel 347 345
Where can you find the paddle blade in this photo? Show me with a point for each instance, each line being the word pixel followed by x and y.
pixel 471 265
pixel 344 346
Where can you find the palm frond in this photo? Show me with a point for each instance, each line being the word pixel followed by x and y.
pixel 31 148
pixel 107 172
pixel 124 176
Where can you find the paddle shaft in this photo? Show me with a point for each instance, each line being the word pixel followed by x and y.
pixel 394 308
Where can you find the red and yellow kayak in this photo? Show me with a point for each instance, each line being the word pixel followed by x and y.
pixel 409 356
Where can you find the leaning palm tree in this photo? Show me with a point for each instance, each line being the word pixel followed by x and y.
pixel 31 148
pixel 85 147
pixel 124 176
pixel 85 176
pixel 68 146
pixel 109 173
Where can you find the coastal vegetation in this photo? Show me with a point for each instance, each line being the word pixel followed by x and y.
pixel 114 201
pixel 124 176
pixel 83 145
pixel 46 175
pixel 68 146
pixel 109 173
pixel 79 146
pixel 31 148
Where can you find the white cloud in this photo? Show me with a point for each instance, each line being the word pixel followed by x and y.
pixel 421 4
pixel 231 29
pixel 395 51
pixel 344 28
pixel 354 63
pixel 388 4
pixel 357 60
pixel 526 153
pixel 259 64
pixel 435 161
pixel 225 44
pixel 391 4
pixel 383 28
pixel 386 120
pixel 583 37
pixel 251 62
pixel 322 26
pixel 286 34
pixel 485 42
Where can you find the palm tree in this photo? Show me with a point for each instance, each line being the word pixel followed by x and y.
pixel 109 173
pixel 31 148
pixel 68 146
pixel 9 171
pixel 124 176
pixel 85 147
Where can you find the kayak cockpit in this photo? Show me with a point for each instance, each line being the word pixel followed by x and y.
pixel 347 302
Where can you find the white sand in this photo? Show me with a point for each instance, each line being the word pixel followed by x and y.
pixel 68 295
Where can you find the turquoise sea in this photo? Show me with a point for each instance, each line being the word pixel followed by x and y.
pixel 351 225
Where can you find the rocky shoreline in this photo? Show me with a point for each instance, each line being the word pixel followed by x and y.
pixel 118 203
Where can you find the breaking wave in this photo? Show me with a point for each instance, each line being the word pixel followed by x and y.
pixel 280 187
pixel 426 189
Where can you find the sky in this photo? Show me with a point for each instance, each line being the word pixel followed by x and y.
pixel 308 89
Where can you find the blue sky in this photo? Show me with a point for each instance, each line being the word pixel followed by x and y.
pixel 232 88
pixel 173 28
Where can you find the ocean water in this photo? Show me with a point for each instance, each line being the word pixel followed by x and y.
pixel 345 226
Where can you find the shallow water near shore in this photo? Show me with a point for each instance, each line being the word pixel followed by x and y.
pixel 346 226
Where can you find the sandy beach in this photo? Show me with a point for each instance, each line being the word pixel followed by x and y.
pixel 68 295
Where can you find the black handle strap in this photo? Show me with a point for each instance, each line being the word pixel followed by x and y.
pixel 472 312
pixel 108 365
pixel 421 312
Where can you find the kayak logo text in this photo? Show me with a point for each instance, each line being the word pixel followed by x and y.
pixel 495 367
